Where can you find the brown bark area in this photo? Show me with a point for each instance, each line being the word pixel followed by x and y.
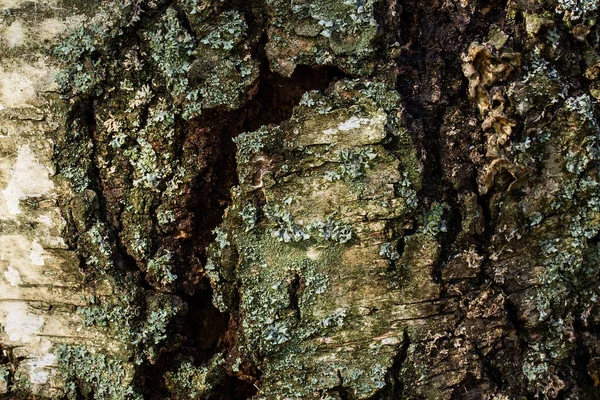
pixel 490 264
pixel 422 224
pixel 494 314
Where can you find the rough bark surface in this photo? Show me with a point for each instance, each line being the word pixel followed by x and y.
pixel 269 199
pixel 41 286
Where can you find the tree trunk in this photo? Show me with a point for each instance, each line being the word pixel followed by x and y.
pixel 269 199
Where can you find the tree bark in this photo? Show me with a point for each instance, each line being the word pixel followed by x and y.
pixel 269 199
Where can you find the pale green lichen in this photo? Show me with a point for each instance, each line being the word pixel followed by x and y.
pixel 141 330
pixel 407 192
pixel 389 251
pixel 231 29
pixel 249 215
pixel 4 373
pixel 165 217
pixel 332 229
pixel 286 229
pixel 221 238
pixel 145 161
pixel 198 11
pixel 289 275
pixel 354 163
pixel 100 239
pixel 96 375
pixel 160 268
pixel 332 32
pixel 171 49
pixel 250 143
pixel 192 382
pixel 578 10
pixel 540 358
pixel 336 319
pixel 433 222
pixel 276 333
pixel 86 50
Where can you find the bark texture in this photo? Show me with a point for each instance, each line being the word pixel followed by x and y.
pixel 269 199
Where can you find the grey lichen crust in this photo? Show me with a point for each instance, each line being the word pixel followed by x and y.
pixel 321 306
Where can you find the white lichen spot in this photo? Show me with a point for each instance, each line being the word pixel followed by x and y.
pixel 37 253
pixel 56 242
pixel 390 341
pixel 313 254
pixel 16 4
pixel 348 125
pixel 14 35
pixel 12 276
pixel 46 220
pixel 39 368
pixel 50 28
pixel 370 128
pixel 20 84
pixel 21 325
pixel 16 89
pixel 353 123
pixel 29 178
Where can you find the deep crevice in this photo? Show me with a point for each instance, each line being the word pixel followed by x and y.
pixel 295 292
pixel 394 387
pixel 203 331
pixel 272 104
